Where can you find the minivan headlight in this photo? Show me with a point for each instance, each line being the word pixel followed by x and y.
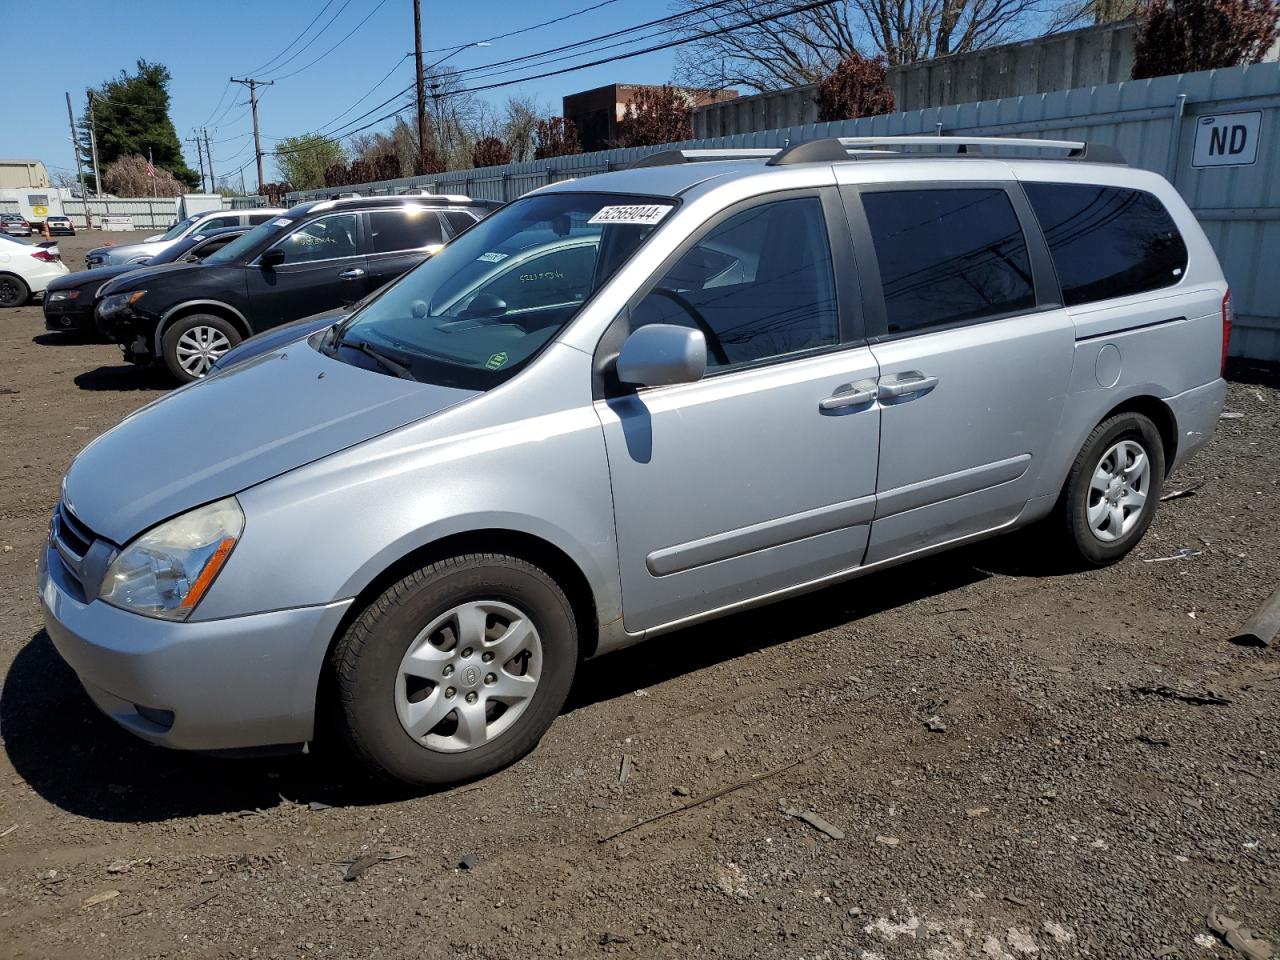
pixel 166 571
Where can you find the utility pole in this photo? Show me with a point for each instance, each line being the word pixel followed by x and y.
pixel 93 144
pixel 253 86
pixel 213 184
pixel 199 155
pixel 75 143
pixel 422 93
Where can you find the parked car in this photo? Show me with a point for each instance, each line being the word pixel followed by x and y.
pixel 69 301
pixel 14 225
pixel 60 226
pixel 27 268
pixel 198 223
pixel 694 401
pixel 313 258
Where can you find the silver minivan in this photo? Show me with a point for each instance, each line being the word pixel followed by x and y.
pixel 626 404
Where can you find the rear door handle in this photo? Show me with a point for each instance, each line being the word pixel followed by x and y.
pixel 909 384
pixel 353 273
pixel 850 395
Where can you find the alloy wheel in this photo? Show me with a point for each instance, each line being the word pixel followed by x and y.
pixel 199 349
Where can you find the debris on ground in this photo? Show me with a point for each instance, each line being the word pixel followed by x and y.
pixel 680 791
pixel 936 724
pixel 361 864
pixel 468 861
pixel 887 841
pixel 1239 937
pixel 1184 554
pixel 815 821
pixel 102 897
pixel 1207 699
pixel 1230 415
pixel 1263 626
pixel 1189 491
pixel 624 768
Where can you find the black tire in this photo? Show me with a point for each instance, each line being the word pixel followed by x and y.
pixel 170 345
pixel 14 291
pixel 1073 506
pixel 366 662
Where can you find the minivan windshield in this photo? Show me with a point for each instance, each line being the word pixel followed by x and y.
pixel 474 314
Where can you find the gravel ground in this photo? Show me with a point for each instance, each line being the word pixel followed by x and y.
pixel 996 757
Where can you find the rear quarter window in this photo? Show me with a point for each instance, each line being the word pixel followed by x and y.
pixel 1107 241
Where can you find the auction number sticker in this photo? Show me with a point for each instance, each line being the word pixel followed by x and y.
pixel 492 257
pixel 282 222
pixel 646 214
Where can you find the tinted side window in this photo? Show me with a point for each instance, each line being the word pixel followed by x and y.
pixel 217 223
pixel 202 250
pixel 410 229
pixel 457 221
pixel 948 256
pixel 1107 242
pixel 257 218
pixel 759 285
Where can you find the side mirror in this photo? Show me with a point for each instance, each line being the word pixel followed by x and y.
pixel 663 353
pixel 271 259
pixel 484 306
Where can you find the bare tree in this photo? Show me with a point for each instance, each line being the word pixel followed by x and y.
pixel 521 115
pixel 805 47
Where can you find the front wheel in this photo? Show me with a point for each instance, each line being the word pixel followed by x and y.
pixel 193 344
pixel 1113 488
pixel 455 671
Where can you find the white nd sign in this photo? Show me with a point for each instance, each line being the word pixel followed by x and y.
pixel 1227 140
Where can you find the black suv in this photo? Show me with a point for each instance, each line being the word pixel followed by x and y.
pixel 69 301
pixel 315 257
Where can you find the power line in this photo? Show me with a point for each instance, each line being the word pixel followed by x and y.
pixel 336 45
pixel 260 69
pixel 702 35
pixel 535 26
pixel 225 88
pixel 318 35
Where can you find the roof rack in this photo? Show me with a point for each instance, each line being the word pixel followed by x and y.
pixel 666 158
pixel 831 149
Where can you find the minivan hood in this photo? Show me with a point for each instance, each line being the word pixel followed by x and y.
pixel 223 434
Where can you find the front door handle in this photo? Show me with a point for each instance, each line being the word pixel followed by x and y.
pixel 850 395
pixel 909 384
pixel 352 273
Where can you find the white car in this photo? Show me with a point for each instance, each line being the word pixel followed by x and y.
pixel 26 268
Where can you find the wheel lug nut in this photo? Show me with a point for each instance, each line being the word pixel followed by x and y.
pixel 487 657
pixel 467 652
pixel 472 697
pixel 490 678
pixel 448 670
pixel 449 694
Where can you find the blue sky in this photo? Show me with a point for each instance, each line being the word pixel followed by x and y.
pixel 203 43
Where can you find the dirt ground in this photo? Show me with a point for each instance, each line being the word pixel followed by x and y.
pixel 1007 761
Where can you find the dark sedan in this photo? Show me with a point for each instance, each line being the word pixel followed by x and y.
pixel 69 301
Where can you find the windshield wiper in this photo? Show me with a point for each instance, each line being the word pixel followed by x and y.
pixel 381 359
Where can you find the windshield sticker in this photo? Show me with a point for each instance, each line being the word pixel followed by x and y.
pixel 643 213
pixel 495 362
pixel 492 257
pixel 283 222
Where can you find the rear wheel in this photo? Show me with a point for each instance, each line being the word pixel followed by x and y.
pixel 13 291
pixel 457 670
pixel 1112 491
pixel 193 344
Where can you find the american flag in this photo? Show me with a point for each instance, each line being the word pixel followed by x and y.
pixel 151 171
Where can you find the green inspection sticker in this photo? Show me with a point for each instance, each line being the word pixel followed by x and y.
pixel 496 361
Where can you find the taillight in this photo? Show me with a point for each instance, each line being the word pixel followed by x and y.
pixel 46 257
pixel 1228 317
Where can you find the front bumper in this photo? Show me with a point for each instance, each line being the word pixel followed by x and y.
pixel 1196 412
pixel 69 315
pixel 227 684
